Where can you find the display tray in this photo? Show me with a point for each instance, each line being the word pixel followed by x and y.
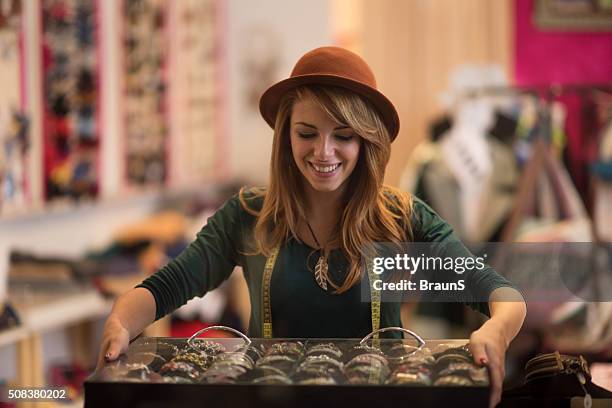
pixel 176 372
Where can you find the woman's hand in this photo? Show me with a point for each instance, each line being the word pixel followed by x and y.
pixel 115 341
pixel 488 346
pixel 131 313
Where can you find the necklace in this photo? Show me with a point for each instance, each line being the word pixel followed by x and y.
pixel 322 266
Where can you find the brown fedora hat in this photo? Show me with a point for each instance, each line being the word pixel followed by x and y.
pixel 331 66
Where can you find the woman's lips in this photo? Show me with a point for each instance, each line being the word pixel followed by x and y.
pixel 325 171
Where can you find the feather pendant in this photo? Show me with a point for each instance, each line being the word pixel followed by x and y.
pixel 321 272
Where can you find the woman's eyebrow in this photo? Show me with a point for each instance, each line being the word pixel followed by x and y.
pixel 314 127
pixel 305 124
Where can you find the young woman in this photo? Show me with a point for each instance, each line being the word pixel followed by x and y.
pixel 300 241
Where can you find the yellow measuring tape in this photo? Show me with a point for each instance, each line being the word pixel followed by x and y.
pixel 267 305
pixel 374 302
pixel 265 293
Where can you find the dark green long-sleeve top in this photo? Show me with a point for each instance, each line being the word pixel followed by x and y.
pixel 300 308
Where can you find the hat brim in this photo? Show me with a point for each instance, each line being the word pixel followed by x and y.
pixel 270 100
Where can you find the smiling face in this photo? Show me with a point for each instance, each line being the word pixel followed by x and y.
pixel 325 152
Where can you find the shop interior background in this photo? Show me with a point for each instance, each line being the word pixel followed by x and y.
pixel 124 124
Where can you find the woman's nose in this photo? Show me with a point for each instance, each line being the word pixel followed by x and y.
pixel 323 147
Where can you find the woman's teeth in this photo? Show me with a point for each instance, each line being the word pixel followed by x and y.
pixel 326 169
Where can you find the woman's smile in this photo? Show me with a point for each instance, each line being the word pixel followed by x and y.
pixel 325 170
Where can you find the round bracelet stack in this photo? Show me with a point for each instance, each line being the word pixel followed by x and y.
pixel 284 362
pixel 154 361
pixel 180 370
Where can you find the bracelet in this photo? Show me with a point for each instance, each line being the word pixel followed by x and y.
pixel 308 372
pixel 208 347
pixel 253 352
pixel 318 381
pixel 198 360
pixel 266 370
pixel 322 360
pixel 409 378
pixel 180 369
pixel 448 359
pixel 154 360
pixel 235 357
pixel 272 359
pixel 273 379
pixel 329 349
pixel 158 347
pixel 453 380
pixel 296 349
pixel 370 359
pixel 224 374
pixel 363 349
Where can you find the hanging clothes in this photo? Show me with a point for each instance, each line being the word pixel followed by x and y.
pixel 474 192
pixel 602 211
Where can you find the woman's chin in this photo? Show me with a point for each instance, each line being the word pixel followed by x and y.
pixel 326 187
pixel 338 187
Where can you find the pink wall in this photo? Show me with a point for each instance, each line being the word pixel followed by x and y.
pixel 544 57
pixel 565 57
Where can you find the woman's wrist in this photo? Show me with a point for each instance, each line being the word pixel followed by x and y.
pixel 508 312
pixel 132 312
pixel 501 326
pixel 114 321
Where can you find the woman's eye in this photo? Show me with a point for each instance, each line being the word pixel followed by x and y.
pixel 306 135
pixel 344 138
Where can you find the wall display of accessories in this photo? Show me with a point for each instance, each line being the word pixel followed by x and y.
pixel 70 99
pixel 194 89
pixel 155 119
pixel 412 369
pixel 14 143
pixel 145 85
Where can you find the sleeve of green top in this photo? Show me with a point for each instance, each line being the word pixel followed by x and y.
pixel 203 265
pixel 430 227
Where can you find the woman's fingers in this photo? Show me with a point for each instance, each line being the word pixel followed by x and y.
pixel 114 344
pixel 487 355
pixel 115 349
pixel 496 372
pixel 102 355
pixel 478 351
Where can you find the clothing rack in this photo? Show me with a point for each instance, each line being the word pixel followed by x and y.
pixel 540 161
pixel 545 95
pixel 548 90
pixel 540 137
pixel 542 157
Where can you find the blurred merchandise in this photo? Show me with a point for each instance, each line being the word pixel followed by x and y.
pixel 555 378
pixel 424 372
pixel 196 90
pixel 602 171
pixel 8 317
pixel 145 104
pixel 496 182
pixel 14 148
pixel 70 377
pixel 475 197
pixel 14 122
pixel 71 99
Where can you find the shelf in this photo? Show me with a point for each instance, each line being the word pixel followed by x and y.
pixel 11 336
pixel 40 312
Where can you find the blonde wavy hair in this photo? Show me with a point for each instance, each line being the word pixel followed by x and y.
pixel 372 211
